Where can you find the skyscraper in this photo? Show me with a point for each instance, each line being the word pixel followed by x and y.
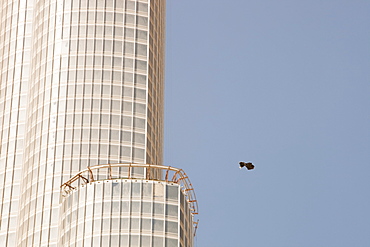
pixel 82 88
pixel 108 205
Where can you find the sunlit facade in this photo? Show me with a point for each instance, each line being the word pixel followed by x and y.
pixel 106 205
pixel 81 85
pixel 15 50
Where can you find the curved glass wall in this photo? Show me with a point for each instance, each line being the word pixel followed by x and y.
pixel 81 83
pixel 126 212
pixel 95 96
pixel 15 46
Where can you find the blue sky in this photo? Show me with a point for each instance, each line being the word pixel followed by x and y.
pixel 284 84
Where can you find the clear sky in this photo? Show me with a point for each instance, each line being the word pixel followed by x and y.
pixel 284 84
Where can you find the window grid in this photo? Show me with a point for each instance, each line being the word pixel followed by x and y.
pixel 138 211
pixel 75 55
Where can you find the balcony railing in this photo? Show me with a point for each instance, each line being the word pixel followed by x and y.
pixel 169 174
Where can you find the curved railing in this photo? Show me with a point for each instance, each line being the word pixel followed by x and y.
pixel 170 174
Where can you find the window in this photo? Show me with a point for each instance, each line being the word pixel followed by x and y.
pixel 172 192
pixel 136 188
pixel 158 225
pixel 171 227
pixel 171 210
pixel 130 19
pixel 158 208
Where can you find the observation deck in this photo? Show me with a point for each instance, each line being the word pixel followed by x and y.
pixel 169 175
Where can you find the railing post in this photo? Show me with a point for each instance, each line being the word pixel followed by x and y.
pixel 168 169
pixel 109 172
pixel 91 174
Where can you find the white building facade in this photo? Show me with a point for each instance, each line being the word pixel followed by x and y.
pixel 107 205
pixel 81 85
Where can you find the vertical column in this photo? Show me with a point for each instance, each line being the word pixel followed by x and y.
pixel 15 46
pixel 156 82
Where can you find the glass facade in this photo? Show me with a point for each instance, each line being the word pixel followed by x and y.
pixel 126 212
pixel 81 84
pixel 15 49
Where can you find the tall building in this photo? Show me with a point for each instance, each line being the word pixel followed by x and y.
pixel 107 205
pixel 81 91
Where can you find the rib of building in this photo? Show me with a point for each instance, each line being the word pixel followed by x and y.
pixel 82 86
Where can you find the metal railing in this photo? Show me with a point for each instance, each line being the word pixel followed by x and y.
pixel 171 175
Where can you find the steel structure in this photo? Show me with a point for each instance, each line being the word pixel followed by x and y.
pixel 172 175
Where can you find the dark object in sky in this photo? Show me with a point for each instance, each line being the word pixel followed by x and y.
pixel 248 165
